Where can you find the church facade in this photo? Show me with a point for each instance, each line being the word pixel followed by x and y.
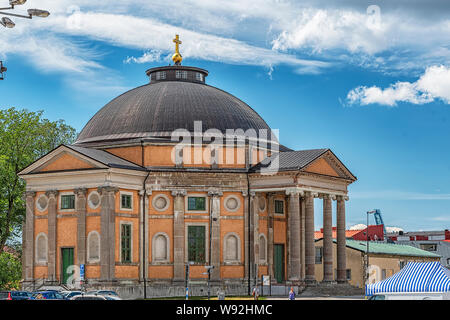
pixel 178 173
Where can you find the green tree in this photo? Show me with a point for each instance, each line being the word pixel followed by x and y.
pixel 10 271
pixel 24 137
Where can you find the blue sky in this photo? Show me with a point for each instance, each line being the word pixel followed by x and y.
pixel 371 82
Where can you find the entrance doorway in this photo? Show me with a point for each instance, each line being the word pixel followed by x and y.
pixel 278 252
pixel 67 262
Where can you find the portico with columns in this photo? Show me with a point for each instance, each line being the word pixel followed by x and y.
pixel 299 188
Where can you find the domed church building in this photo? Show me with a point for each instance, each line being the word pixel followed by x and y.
pixel 173 177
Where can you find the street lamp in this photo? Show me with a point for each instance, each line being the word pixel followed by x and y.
pixel 2 69
pixel 7 23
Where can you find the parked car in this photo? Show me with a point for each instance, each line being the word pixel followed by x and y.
pixel 89 297
pixel 14 295
pixel 104 293
pixel 69 294
pixel 47 295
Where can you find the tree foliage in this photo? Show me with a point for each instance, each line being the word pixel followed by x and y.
pixel 10 271
pixel 24 137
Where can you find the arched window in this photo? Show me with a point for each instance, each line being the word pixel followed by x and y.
pixel 41 248
pixel 232 248
pixel 93 247
pixel 262 248
pixel 160 248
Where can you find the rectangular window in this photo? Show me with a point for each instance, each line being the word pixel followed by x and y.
pixel 199 76
pixel 196 203
pixel 383 274
pixel 126 243
pixel 428 247
pixel 126 201
pixel 349 274
pixel 68 201
pixel 181 74
pixel 319 255
pixel 279 206
pixel 160 75
pixel 196 244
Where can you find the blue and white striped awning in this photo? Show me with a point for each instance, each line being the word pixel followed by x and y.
pixel 414 277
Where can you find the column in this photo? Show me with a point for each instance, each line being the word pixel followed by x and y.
pixel 81 225
pixel 178 236
pixel 108 232
pixel 215 234
pixel 294 235
pixel 310 276
pixel 327 239
pixel 341 247
pixel 29 237
pixel 52 210
pixel 270 212
pixel 302 238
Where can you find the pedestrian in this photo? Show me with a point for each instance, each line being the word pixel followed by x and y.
pixel 255 293
pixel 292 294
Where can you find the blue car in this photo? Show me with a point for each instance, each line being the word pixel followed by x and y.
pixel 47 295
pixel 14 295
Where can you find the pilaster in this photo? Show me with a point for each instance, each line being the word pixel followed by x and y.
pixel 178 235
pixel 108 232
pixel 215 233
pixel 28 270
pixel 52 211
pixel 81 225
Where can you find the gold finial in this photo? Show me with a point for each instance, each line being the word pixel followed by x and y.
pixel 177 58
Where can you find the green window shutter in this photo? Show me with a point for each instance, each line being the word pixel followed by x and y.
pixel 196 244
pixel 197 203
pixel 126 243
pixel 68 201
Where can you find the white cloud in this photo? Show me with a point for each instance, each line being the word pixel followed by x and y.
pixel 433 85
pixel 308 35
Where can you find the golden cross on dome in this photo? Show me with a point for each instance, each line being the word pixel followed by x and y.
pixel 177 43
pixel 177 58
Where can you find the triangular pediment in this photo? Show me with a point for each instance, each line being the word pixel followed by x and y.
pixel 62 159
pixel 321 166
pixel 328 164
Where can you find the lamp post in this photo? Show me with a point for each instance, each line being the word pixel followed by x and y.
pixel 367 245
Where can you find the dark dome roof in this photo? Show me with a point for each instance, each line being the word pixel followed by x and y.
pixel 159 108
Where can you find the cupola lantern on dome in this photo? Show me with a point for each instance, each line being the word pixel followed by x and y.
pixel 177 72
